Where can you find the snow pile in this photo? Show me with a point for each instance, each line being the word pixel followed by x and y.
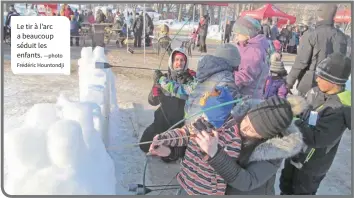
pixel 58 151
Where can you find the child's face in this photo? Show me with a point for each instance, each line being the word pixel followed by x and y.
pixel 247 129
pixel 324 85
pixel 179 62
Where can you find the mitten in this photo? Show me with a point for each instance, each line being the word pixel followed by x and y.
pixel 156 91
pixel 192 73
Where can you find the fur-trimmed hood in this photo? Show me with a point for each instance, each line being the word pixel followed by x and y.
pixel 280 147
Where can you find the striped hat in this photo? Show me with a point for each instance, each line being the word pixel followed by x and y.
pixel 276 65
pixel 336 68
pixel 247 26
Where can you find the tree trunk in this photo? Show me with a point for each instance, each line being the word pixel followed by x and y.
pixel 211 15
pixel 243 7
pixel 201 11
pixel 180 12
pixel 134 10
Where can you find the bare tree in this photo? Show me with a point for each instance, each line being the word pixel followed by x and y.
pixel 212 14
pixel 134 6
pixel 180 12
pixel 201 10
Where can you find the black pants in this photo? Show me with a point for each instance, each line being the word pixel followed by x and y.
pixel 295 181
pixel 150 132
pixel 76 41
pixel 147 41
pixel 202 47
pixel 137 40
pixel 227 38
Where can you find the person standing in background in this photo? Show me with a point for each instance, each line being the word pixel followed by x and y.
pixel 203 32
pixel 266 28
pixel 228 31
pixel 314 47
pixel 274 32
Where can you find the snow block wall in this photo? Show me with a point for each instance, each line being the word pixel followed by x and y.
pixel 60 149
pixel 97 86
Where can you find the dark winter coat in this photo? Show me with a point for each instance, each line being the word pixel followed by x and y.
pixel 74 27
pixel 203 29
pixel 256 176
pixel 149 26
pixel 334 117
pixel 171 108
pixel 228 30
pixel 274 32
pixel 286 33
pixel 138 25
pixel 8 17
pixel 315 45
pixel 266 31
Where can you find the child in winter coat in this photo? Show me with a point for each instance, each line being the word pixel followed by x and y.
pixel 213 70
pixel 276 82
pixel 204 174
pixel 196 176
pixel 74 30
pixel 322 126
pixel 251 75
pixel 171 108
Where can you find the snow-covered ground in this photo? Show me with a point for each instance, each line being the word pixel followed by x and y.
pixel 213 30
pixel 22 92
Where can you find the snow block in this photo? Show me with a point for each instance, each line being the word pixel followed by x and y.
pixel 68 158
pixel 97 85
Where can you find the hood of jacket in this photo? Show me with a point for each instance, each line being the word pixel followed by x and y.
pixel 210 65
pixel 170 60
pixel 260 41
pixel 280 147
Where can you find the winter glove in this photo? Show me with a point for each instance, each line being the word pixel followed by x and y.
pixel 202 125
pixel 156 91
pixel 184 77
pixel 157 75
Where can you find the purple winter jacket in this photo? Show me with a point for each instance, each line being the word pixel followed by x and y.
pixel 252 72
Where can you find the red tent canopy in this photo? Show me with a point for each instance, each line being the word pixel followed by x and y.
pixel 343 16
pixel 269 11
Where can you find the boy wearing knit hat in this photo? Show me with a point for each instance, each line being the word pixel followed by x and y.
pixel 322 126
pixel 276 83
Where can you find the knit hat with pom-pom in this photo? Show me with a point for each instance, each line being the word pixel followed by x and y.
pixel 274 115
